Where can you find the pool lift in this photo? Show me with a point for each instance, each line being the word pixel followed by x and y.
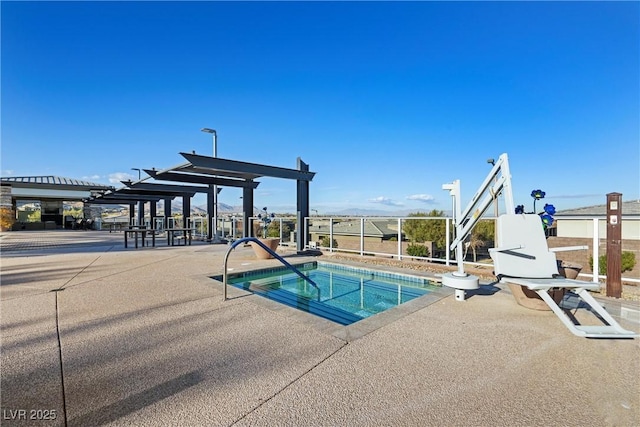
pixel 522 256
pixel 498 181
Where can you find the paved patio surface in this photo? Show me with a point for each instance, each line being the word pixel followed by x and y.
pixel 95 334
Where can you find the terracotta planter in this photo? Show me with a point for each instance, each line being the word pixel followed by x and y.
pixel 569 270
pixel 529 299
pixel 271 243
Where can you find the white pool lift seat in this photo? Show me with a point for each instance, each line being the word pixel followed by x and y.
pixel 524 258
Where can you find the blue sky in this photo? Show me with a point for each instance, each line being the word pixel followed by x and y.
pixel 385 101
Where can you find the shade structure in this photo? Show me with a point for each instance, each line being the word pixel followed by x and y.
pixel 200 174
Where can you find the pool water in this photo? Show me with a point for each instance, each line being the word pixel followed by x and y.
pixel 344 294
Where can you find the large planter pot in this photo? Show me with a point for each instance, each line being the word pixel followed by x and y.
pixel 271 243
pixel 569 270
pixel 531 300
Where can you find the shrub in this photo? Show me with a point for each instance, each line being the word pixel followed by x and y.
pixel 627 262
pixel 485 230
pixel 273 229
pixel 423 230
pixel 418 250
pixel 7 218
pixel 324 242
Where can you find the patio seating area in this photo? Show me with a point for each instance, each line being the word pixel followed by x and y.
pixel 93 334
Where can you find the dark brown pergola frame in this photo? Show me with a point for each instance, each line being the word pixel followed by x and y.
pixel 209 172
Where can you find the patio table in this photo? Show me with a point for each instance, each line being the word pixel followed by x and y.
pixel 139 229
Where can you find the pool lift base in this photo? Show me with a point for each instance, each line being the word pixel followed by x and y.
pixel 461 282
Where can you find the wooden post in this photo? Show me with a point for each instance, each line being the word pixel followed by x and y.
pixel 614 245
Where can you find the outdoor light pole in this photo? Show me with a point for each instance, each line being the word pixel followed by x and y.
pixel 136 169
pixel 214 227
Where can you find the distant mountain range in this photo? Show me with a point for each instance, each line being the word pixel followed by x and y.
pixel 176 207
pixel 378 212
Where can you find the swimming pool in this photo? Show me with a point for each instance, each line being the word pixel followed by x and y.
pixel 343 294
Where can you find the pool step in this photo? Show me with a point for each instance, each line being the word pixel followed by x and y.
pixel 305 304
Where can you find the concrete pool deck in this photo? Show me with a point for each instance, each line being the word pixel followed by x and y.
pixel 104 335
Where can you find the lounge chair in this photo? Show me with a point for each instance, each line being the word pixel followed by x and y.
pixel 523 258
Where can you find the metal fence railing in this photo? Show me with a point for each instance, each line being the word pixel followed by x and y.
pixel 387 237
pixel 390 236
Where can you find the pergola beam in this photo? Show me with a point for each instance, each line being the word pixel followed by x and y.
pixel 164 188
pixel 119 201
pixel 226 167
pixel 201 179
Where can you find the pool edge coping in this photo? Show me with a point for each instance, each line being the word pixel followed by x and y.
pixel 355 330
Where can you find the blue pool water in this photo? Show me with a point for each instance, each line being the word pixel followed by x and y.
pixel 344 294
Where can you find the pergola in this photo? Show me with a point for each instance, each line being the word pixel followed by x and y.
pixel 202 173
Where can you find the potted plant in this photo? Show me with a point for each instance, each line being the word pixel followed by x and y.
pixel 271 242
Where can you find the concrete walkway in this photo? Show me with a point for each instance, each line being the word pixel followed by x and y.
pixel 95 334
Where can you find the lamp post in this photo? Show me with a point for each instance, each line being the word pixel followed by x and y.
pixel 136 169
pixel 214 226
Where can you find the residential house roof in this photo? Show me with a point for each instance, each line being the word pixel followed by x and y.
pixel 629 208
pixel 50 181
pixel 377 228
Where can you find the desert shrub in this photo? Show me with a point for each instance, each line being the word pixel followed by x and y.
pixel 418 250
pixel 273 230
pixel 484 230
pixel 627 262
pixel 432 230
pixel 324 242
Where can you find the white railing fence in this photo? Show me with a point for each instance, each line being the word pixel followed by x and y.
pixel 386 237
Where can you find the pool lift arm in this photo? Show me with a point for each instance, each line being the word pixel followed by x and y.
pixel 497 181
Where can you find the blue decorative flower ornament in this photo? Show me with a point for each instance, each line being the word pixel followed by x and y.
pixel 548 211
pixel 266 220
pixel 538 194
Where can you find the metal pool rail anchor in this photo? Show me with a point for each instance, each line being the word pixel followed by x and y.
pixel 271 252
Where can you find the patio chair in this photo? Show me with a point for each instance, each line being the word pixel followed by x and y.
pixel 78 224
pixel 177 237
pixel 523 258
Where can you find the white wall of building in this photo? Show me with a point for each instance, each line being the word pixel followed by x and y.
pixel 583 228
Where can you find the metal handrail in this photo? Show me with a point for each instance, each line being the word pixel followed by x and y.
pixel 271 252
